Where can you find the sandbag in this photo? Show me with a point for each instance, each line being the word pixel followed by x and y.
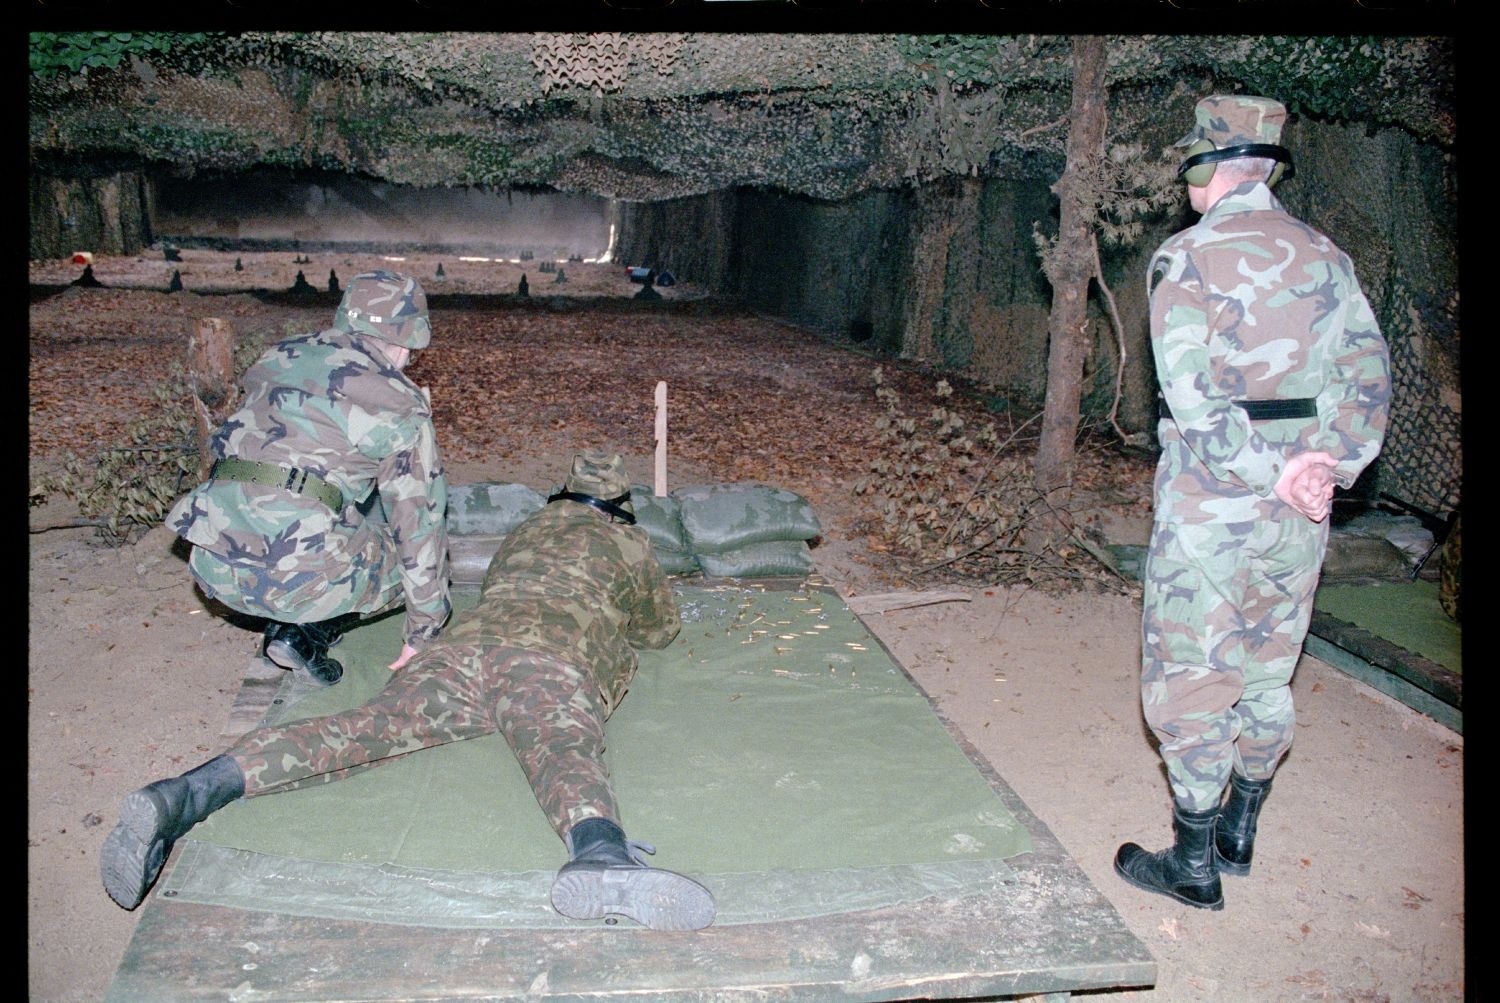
pixel 1406 533
pixel 661 518
pixel 675 562
pixel 469 557
pixel 1352 559
pixel 487 508
pixel 721 517
pixel 759 560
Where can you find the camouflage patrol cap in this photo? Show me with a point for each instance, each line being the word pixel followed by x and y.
pixel 600 474
pixel 1236 120
pixel 387 306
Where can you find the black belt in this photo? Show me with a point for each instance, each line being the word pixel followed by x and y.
pixel 1263 410
pixel 273 475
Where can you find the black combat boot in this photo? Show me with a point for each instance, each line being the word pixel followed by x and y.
pixel 1234 834
pixel 303 648
pixel 605 875
pixel 1187 870
pixel 155 817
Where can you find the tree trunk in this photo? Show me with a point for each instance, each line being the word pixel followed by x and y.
pixel 1072 268
pixel 211 375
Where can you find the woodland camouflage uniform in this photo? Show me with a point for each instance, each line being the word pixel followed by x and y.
pixel 544 658
pixel 1248 304
pixel 333 405
pixel 1275 382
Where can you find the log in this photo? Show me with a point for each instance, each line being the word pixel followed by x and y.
pixel 210 365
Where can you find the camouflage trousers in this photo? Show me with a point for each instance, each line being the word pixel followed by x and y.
pixel 364 578
pixel 549 712
pixel 1226 610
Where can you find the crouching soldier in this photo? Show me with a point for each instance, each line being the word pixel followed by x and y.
pixel 327 501
pixel 543 658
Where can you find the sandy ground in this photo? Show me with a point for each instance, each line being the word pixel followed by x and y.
pixel 1357 892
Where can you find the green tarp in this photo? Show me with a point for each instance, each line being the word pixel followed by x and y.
pixel 774 751
pixel 1408 614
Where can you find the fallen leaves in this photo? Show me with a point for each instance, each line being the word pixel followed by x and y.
pixel 748 398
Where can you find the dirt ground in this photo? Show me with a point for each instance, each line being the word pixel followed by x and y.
pixel 1359 882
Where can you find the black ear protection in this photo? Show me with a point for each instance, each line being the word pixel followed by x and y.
pixel 609 506
pixel 1202 157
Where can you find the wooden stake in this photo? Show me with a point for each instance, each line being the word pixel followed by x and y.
pixel 661 439
pixel 211 375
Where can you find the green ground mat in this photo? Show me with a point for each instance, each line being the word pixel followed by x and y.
pixel 1408 614
pixel 774 751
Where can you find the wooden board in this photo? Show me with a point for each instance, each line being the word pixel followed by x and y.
pixel 1420 683
pixel 1049 933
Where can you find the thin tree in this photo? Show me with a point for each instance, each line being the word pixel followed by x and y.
pixel 1069 267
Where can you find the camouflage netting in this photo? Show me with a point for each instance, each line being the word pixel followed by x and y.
pixel 880 186
pixel 1390 203
pixel 1422 462
pixel 638 115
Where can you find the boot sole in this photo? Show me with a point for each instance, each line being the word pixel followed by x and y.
pixel 1230 867
pixel 134 851
pixel 283 655
pixel 656 899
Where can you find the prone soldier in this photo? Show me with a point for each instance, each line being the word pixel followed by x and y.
pixel 543 658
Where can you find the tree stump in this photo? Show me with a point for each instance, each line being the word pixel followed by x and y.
pixel 210 365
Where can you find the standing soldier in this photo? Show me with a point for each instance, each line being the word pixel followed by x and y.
pixel 328 499
pixel 543 658
pixel 1275 383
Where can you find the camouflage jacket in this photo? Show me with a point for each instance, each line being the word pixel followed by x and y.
pixel 569 583
pixel 1251 303
pixel 329 404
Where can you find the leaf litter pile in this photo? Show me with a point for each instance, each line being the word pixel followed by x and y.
pixel 750 399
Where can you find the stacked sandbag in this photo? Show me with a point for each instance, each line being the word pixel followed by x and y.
pixel 740 530
pixel 479 516
pixel 662 521
pixel 747 529
pixel 1374 546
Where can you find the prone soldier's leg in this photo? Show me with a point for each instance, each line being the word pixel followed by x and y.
pixel 551 714
pixel 433 701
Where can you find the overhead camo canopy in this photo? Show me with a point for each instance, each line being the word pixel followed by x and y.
pixel 650 116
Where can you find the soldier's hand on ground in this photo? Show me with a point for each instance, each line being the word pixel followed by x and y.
pixel 407 651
